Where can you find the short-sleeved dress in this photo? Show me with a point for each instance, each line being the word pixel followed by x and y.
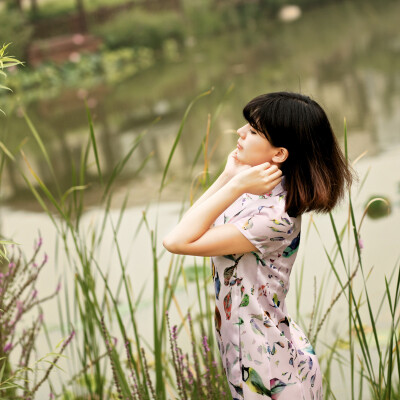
pixel 264 353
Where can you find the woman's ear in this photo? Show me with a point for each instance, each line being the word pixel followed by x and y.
pixel 280 155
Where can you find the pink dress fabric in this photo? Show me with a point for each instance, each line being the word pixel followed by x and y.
pixel 264 352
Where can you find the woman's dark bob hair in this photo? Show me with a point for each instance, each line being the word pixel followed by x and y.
pixel 316 171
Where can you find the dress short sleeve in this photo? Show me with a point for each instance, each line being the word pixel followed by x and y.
pixel 264 222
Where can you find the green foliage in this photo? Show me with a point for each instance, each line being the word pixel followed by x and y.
pixel 203 21
pixel 130 372
pixel 15 27
pixel 90 305
pixel 18 299
pixel 57 8
pixel 139 28
pixel 5 62
pixel 207 19
pixel 191 381
pixel 48 79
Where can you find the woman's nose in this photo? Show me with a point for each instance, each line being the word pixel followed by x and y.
pixel 241 132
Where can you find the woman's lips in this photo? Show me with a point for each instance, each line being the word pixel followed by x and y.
pixel 239 147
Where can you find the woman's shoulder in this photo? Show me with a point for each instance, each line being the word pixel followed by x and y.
pixel 269 204
pixel 263 220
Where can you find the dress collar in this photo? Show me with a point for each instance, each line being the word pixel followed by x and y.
pixel 279 188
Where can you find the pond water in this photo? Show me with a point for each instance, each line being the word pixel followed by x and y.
pixel 346 56
pixel 380 241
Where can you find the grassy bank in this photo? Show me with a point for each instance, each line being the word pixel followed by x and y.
pixel 111 357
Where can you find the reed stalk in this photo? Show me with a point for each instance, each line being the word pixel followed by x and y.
pixel 126 372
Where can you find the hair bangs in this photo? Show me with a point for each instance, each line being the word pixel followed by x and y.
pixel 258 116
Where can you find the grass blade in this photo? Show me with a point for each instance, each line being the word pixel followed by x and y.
pixel 93 139
pixel 178 136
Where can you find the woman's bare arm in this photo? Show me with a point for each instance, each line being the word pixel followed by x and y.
pixel 193 234
pixel 232 168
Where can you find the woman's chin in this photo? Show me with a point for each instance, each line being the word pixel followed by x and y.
pixel 240 158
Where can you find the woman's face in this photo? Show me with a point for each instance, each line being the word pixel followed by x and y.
pixel 253 148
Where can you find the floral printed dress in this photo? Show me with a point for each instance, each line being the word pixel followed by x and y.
pixel 264 353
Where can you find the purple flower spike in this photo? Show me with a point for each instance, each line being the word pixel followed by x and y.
pixel 360 243
pixel 46 257
pixel 58 288
pixel 205 344
pixel 20 306
pixel 174 332
pixel 34 294
pixel 7 347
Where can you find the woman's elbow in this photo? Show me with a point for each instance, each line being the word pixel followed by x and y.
pixel 172 245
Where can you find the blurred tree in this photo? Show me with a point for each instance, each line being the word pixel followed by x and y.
pixel 13 4
pixel 34 7
pixel 82 15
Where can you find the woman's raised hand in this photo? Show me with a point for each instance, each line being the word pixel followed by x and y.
pixel 234 166
pixel 258 180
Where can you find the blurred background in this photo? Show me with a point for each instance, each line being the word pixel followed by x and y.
pixel 137 65
pixel 135 62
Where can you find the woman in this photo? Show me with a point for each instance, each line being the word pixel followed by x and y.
pixel 287 162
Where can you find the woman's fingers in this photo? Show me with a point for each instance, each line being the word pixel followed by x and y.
pixel 275 181
pixel 274 175
pixel 259 179
pixel 267 167
pixel 264 165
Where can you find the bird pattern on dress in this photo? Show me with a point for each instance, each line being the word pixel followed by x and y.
pixel 264 353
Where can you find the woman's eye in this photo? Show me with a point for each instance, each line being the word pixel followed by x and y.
pixel 253 132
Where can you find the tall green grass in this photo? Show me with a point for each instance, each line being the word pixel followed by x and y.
pixel 110 356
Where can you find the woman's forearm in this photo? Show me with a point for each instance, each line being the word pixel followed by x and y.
pixel 203 214
pixel 232 168
pixel 197 221
pixel 222 180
